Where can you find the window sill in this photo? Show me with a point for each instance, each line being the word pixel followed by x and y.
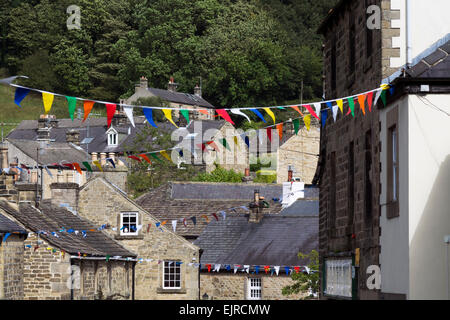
pixel 171 291
pixel 130 237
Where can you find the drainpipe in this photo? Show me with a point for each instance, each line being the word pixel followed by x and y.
pixel 408 33
pixel 133 282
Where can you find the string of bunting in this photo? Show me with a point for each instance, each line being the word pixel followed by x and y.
pixel 48 98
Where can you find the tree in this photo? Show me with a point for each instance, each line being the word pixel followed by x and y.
pixel 305 282
pixel 219 174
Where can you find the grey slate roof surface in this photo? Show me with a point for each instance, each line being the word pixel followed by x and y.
pixel 178 200
pixel 97 130
pixel 276 240
pixel 51 218
pixel 7 225
pixel 302 207
pixel 180 97
pixel 53 152
pixel 436 65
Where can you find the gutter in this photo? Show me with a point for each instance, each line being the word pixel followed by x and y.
pixel 104 258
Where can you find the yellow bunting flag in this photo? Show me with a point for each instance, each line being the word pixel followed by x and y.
pixel 165 155
pixel 307 120
pixel 340 104
pixel 48 101
pixel 270 113
pixel 236 141
pixel 280 130
pixel 385 86
pixel 168 114
pixel 98 165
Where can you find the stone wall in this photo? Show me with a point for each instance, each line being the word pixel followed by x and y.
pixel 349 190
pixel 101 203
pixel 47 275
pixel 300 151
pixel 230 286
pixel 11 268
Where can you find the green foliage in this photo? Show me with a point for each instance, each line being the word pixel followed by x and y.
pixel 247 53
pixel 265 178
pixel 219 175
pixel 305 281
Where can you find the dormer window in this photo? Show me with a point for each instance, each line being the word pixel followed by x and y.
pixel 113 137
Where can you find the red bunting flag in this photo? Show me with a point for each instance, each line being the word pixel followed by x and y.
pixel 135 158
pixel 148 227
pixel 224 114
pixel 209 267
pixel 311 111
pixel 215 216
pixel 110 111
pixel 267 269
pixel 269 134
pixel 213 145
pixel 297 269
pixel 143 156
pixel 77 167
pixel 370 100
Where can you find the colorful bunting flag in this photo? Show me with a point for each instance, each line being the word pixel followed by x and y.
pixel 340 104
pixel 296 123
pixel 225 144
pixel 370 100
pixel 88 166
pixel 318 107
pixel 240 113
pixel 47 98
pixel 280 130
pixel 153 155
pixel 351 105
pixel 335 111
pixel 129 112
pixel 269 134
pixel 270 113
pixel 77 167
pixel 297 109
pixel 165 155
pixel 324 116
pixel 185 114
pixel 255 111
pixel 112 162
pixel 307 121
pixel 383 97
pixel 168 114
pixel 20 94
pixel 224 114
pixel 194 220
pixel 148 113
pixel 110 111
pixel 87 106
pixel 362 103
pixel 136 158
pixel 311 111
pixel 72 105
pixel 98 165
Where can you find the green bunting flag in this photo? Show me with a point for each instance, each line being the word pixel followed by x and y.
pixel 72 101
pixel 296 125
pixel 88 167
pixel 383 97
pixel 185 114
pixel 225 144
pixel 154 156
pixel 351 104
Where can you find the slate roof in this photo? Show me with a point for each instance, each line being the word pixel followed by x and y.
pixel 52 218
pixel 276 240
pixel 27 130
pixel 180 97
pixel 7 225
pixel 53 152
pixel 435 65
pixel 178 200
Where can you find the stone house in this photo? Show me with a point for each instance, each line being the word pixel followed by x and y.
pixel 175 99
pixel 359 56
pixel 165 270
pixel 415 180
pixel 267 240
pixel 12 238
pixel 59 263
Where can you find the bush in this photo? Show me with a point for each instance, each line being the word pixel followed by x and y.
pixel 220 175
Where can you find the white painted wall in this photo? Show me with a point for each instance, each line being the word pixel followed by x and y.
pixel 413 252
pixel 394 241
pixel 429 196
pixel 429 23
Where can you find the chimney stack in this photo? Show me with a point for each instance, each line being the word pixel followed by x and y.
pixel 256 208
pixel 172 86
pixel 247 178
pixel 73 136
pixel 198 91
pixel 4 156
pixel 290 174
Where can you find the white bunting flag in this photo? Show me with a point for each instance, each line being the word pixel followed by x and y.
pixel 377 97
pixel 174 225
pixel 277 269
pixel 240 113
pixel 129 113
pixel 236 268
pixel 247 268
pixel 217 267
pixel 335 112
pixel 317 106
pixel 224 214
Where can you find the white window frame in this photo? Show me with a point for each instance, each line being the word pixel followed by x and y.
pixel 174 268
pixel 112 137
pixel 129 232
pixel 254 289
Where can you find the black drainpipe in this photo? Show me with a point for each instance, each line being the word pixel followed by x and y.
pixel 199 270
pixel 133 285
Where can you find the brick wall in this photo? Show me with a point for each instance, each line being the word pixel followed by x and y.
pixel 301 151
pixel 229 286
pixel 11 268
pixel 100 203
pixel 349 189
